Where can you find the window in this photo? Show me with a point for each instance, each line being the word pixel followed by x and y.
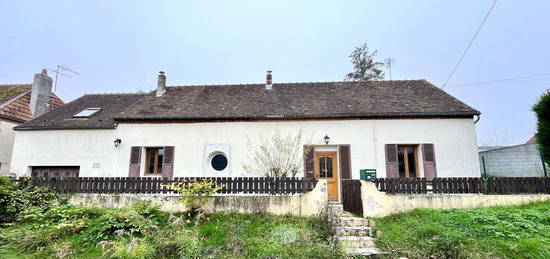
pixel 219 162
pixel 86 113
pixel 154 158
pixel 406 157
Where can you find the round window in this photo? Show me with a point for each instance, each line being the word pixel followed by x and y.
pixel 219 162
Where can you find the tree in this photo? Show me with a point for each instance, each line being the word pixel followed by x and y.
pixel 542 110
pixel 365 68
pixel 278 156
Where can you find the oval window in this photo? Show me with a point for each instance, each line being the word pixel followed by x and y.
pixel 219 162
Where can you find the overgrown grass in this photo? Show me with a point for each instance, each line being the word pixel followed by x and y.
pixel 142 231
pixel 494 232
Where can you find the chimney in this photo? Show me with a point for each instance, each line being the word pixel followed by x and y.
pixel 40 93
pixel 268 80
pixel 161 84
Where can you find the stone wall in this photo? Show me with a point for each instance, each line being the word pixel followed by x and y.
pixel 379 204
pixel 307 204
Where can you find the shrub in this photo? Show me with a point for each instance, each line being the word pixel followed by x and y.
pixel 195 194
pixel 25 201
pixel 121 222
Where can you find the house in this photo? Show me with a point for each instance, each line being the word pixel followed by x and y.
pixel 406 128
pixel 20 103
pixel 524 160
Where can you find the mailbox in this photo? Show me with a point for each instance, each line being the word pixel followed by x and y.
pixel 367 174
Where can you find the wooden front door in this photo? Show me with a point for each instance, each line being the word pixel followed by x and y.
pixel 326 167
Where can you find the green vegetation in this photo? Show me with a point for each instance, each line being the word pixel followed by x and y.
pixel 495 232
pixel 542 110
pixel 55 229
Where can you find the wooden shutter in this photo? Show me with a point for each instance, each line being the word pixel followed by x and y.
pixel 168 163
pixel 309 162
pixel 428 153
pixel 345 161
pixel 135 162
pixel 392 165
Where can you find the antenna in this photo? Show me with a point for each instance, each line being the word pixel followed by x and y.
pixel 389 62
pixel 59 71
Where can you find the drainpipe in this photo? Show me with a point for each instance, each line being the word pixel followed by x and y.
pixel 477 119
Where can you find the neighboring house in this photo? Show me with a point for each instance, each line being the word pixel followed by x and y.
pixel 406 128
pixel 20 103
pixel 522 160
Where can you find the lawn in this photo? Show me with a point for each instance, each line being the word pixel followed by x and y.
pixel 142 231
pixel 494 232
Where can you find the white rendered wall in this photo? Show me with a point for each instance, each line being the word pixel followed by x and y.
pixel 454 141
pixel 7 135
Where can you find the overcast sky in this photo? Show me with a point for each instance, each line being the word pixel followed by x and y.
pixel 119 46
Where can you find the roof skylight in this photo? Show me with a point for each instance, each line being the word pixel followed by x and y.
pixel 86 113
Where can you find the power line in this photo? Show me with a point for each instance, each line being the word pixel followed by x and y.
pixel 518 79
pixel 469 45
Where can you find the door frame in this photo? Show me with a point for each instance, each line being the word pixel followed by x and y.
pixel 335 165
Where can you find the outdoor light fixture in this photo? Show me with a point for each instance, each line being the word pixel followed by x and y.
pixel 327 139
pixel 117 142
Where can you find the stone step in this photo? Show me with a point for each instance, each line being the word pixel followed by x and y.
pixel 353 231
pixel 349 242
pixel 350 222
pixel 370 252
pixel 336 206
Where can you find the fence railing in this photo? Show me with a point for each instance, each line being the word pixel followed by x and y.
pixel 498 185
pixel 351 196
pixel 230 185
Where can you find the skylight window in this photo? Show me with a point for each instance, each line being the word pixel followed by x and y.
pixel 86 113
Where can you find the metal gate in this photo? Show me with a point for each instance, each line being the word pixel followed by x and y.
pixel 351 196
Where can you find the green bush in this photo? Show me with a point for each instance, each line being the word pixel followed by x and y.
pixel 123 222
pixel 542 110
pixel 26 201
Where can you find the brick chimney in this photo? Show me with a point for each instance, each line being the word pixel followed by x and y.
pixel 161 84
pixel 268 80
pixel 40 93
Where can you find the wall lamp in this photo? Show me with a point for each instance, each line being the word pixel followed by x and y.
pixel 117 142
pixel 327 139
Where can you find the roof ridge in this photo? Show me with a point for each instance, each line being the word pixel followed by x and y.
pixel 127 93
pixel 311 82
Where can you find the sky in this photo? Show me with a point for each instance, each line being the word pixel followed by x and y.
pixel 119 46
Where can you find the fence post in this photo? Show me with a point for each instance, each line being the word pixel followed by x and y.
pixel 543 162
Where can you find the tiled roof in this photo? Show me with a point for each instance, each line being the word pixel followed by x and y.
pixel 323 100
pixel 62 118
pixel 300 100
pixel 15 104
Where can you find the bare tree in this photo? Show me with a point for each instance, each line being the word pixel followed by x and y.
pixel 365 68
pixel 278 156
pixel 496 139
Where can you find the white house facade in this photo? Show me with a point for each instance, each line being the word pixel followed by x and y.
pixel 204 131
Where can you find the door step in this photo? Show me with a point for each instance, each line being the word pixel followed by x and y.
pixel 353 231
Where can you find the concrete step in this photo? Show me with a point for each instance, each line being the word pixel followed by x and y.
pixel 350 222
pixel 370 252
pixel 336 206
pixel 353 231
pixel 349 242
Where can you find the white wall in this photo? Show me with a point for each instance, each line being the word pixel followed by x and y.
pixel 7 136
pixel 454 140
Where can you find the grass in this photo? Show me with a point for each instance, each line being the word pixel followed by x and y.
pixel 143 231
pixel 494 232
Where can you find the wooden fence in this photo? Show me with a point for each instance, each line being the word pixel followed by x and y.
pixel 351 196
pixel 500 185
pixel 236 185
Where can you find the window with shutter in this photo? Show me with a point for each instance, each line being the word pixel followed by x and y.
pixel 392 167
pixel 428 152
pixel 345 161
pixel 309 162
pixel 168 162
pixel 135 162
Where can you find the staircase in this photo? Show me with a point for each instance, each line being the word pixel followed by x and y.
pixel 355 234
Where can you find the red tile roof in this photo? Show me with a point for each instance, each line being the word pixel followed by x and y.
pixel 15 102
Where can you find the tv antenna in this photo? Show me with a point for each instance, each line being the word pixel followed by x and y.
pixel 64 71
pixel 389 62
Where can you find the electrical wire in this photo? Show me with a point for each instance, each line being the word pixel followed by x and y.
pixel 469 45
